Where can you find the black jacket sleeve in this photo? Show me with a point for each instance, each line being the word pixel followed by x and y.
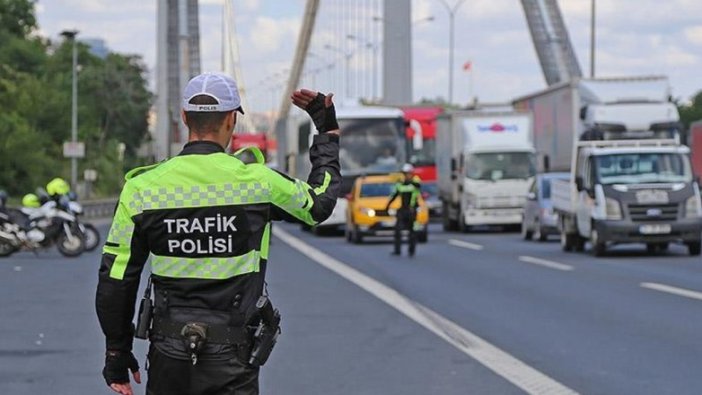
pixel 123 259
pixel 313 201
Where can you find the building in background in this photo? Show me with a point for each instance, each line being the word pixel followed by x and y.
pixel 97 46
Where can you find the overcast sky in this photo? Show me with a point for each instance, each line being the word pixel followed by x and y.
pixel 635 37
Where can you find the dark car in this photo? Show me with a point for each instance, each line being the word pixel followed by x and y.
pixel 430 193
pixel 539 221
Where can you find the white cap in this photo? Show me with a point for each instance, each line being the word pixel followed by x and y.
pixel 407 168
pixel 218 86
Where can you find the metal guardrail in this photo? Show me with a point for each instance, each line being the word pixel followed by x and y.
pixel 103 208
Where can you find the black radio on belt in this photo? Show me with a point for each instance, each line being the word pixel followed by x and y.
pixel 146 308
pixel 266 333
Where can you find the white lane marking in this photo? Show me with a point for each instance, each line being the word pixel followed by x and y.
pixel 465 244
pixel 545 263
pixel 673 290
pixel 517 372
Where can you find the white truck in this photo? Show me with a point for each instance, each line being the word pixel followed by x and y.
pixel 485 163
pixel 631 180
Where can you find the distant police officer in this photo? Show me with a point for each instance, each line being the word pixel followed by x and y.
pixel 408 190
pixel 204 218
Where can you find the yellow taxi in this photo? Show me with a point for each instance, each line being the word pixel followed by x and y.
pixel 366 215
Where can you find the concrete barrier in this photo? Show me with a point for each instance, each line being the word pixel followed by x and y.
pixel 103 208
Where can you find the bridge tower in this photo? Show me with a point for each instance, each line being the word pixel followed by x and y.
pixel 177 60
pixel 551 41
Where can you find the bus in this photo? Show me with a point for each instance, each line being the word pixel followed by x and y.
pixel 420 123
pixel 421 140
pixel 372 142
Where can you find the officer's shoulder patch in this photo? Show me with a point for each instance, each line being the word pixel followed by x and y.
pixel 416 179
pixel 137 171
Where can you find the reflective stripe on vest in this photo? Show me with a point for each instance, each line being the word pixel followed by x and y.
pixel 206 268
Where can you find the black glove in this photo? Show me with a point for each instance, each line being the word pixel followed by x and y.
pixel 324 117
pixel 117 364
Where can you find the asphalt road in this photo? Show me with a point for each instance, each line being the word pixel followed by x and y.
pixel 478 313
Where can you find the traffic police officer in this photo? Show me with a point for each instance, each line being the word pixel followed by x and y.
pixel 408 190
pixel 204 217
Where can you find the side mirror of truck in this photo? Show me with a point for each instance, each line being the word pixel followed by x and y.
pixel 579 184
pixel 583 112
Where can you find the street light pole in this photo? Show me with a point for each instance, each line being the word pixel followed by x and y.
pixel 592 40
pixel 71 35
pixel 347 66
pixel 452 13
pixel 374 48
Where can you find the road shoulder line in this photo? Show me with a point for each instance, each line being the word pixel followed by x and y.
pixel 505 365
pixel 465 244
pixel 546 263
pixel 687 293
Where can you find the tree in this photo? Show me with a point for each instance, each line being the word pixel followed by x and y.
pixel 17 17
pixel 35 97
pixel 691 112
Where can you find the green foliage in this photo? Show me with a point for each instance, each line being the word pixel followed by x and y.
pixel 691 112
pixel 17 17
pixel 35 95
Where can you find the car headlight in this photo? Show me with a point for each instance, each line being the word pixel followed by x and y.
pixel 612 209
pixel 692 207
pixel 367 211
pixel 392 211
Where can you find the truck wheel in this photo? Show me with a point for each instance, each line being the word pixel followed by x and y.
pixel 579 244
pixel 539 233
pixel 599 248
pixel 526 232
pixel 566 241
pixel 462 227
pixel 447 222
pixel 694 248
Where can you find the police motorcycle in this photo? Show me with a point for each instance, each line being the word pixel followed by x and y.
pixel 89 231
pixel 39 224
pixel 10 232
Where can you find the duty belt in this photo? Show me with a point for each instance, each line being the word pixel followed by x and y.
pixel 218 334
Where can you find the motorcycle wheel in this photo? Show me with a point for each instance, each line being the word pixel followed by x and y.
pixel 72 246
pixel 6 249
pixel 91 236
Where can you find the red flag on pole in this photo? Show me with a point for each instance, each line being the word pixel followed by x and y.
pixel 467 66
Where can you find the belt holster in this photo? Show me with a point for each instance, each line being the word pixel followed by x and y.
pixel 195 336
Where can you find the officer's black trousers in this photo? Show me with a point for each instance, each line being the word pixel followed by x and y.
pixel 405 221
pixel 169 376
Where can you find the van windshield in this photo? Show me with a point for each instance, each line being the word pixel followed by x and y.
pixel 639 168
pixel 500 166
